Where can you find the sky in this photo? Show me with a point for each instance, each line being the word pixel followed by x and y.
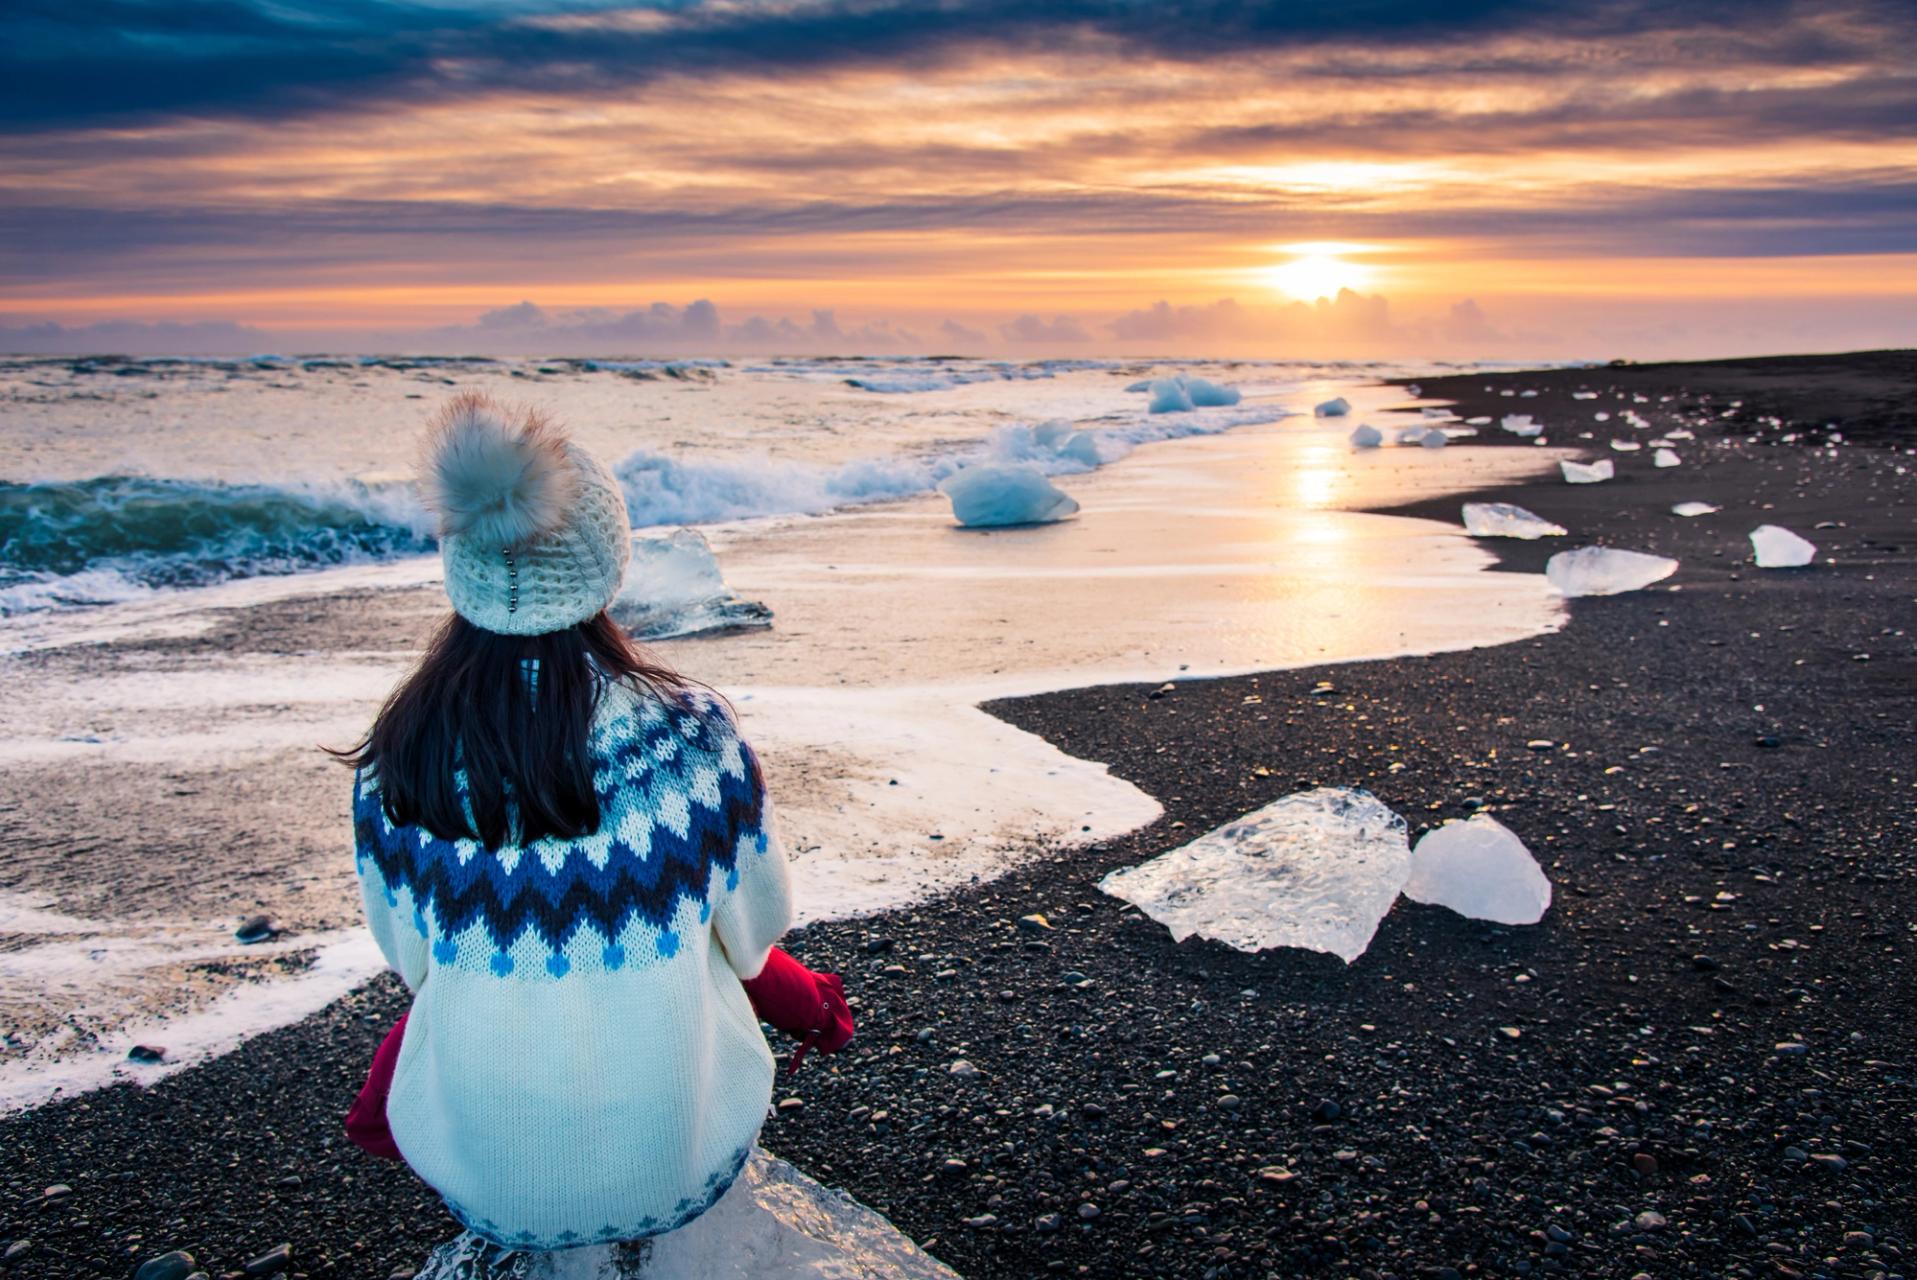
pixel 1324 178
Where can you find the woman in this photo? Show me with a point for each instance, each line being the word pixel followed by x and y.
pixel 566 852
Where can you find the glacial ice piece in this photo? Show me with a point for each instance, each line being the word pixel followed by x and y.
pixel 1503 520
pixel 1411 435
pixel 1050 435
pixel 1438 415
pixel 1367 437
pixel 1626 446
pixel 1778 548
pixel 990 496
pixel 1434 438
pixel 1413 390
pixel 1520 424
pixel 1170 395
pixel 1336 408
pixel 1689 509
pixel 773 1224
pixel 673 587
pixel 1666 458
pixel 1318 869
pixel 1082 447
pixel 1587 473
pixel 1480 870
pixel 1144 384
pixel 1605 571
pixel 1584 395
pixel 1209 395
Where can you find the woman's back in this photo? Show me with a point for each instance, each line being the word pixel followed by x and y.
pixel 581 1063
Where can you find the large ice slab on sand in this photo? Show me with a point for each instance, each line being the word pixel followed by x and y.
pixel 1587 473
pixel 1318 869
pixel 673 587
pixel 1605 571
pixel 1334 408
pixel 774 1224
pixel 1503 520
pixel 1367 437
pixel 1778 548
pixel 1479 869
pixel 991 496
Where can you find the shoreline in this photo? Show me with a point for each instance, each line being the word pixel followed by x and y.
pixel 1385 1120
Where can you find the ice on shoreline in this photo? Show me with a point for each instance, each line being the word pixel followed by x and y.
pixel 1521 424
pixel 1181 394
pixel 1337 407
pixel 1690 509
pixel 1605 571
pixel 1367 437
pixel 990 497
pixel 1776 547
pixel 673 587
pixel 1587 473
pixel 1318 870
pixel 1481 870
pixel 1504 520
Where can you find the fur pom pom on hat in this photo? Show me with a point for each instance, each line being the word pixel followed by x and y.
pixel 532 528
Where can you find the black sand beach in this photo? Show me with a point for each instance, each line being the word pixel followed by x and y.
pixel 1699 1064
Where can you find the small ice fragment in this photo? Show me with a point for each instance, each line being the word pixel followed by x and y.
pixel 1520 424
pixel 1050 435
pixel 1143 385
pixel 1689 509
pixel 1680 434
pixel 990 496
pixel 1626 446
pixel 1170 395
pixel 1527 395
pixel 1601 416
pixel 1081 446
pixel 1318 869
pixel 1480 870
pixel 1367 437
pixel 1434 438
pixel 673 587
pixel 1207 395
pixel 1479 422
pixel 1337 408
pixel 1438 415
pixel 1666 458
pixel 1503 520
pixel 1584 395
pixel 1587 473
pixel 1413 390
pixel 1411 435
pixel 1605 571
pixel 1778 548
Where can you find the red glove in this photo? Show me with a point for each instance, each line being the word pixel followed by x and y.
pixel 366 1126
pixel 801 1003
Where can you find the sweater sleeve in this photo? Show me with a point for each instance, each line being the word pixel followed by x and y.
pixel 389 915
pixel 758 910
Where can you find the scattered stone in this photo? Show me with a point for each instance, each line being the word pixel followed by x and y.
pixel 791 1106
pixel 273 1261
pixel 256 929
pixel 1791 1049
pixel 16 1251
pixel 1047 1223
pixel 983 1220
pixel 962 1069
pixel 1035 923
pixel 148 1053
pixel 168 1266
pixel 1645 1163
pixel 1650 1220
pixel 1087 1211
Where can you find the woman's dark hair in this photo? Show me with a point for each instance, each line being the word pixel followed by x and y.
pixel 514 712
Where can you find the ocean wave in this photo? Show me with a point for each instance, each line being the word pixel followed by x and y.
pixel 114 538
pixel 109 538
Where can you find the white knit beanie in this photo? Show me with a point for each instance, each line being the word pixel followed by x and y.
pixel 532 528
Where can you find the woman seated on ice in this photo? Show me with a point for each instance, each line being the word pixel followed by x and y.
pixel 566 851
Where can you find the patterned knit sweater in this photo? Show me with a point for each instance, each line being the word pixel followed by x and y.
pixel 581 1063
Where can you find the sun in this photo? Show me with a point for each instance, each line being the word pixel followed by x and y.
pixel 1317 273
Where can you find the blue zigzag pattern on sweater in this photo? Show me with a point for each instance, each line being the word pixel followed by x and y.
pixel 678 796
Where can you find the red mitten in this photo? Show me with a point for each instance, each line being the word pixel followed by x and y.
pixel 366 1126
pixel 810 1006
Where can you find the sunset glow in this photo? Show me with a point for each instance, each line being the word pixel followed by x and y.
pixel 974 182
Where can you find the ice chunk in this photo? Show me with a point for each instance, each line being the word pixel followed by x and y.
pixel 1367 437
pixel 1587 472
pixel 1520 424
pixel 1480 870
pixel 1169 395
pixel 1318 869
pixel 1413 390
pixel 1778 548
pixel 1688 509
pixel 1050 435
pixel 1337 408
pixel 1143 385
pixel 988 496
pixel 1502 520
pixel 1584 395
pixel 1209 395
pixel 773 1224
pixel 1411 435
pixel 1605 571
pixel 1438 415
pixel 1626 446
pixel 1666 458
pixel 673 587
pixel 1434 438
pixel 1082 447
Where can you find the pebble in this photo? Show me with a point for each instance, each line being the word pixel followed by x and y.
pixel 791 1106
pixel 1047 1223
pixel 16 1251
pixel 1829 1160
pixel 1791 1049
pixel 57 1191
pixel 255 929
pixel 1275 1175
pixel 983 1220
pixel 953 1165
pixel 1230 1102
pixel 1088 1211
pixel 168 1266
pixel 1035 923
pixel 146 1053
pixel 1645 1163
pixel 962 1069
pixel 1650 1220
pixel 276 1259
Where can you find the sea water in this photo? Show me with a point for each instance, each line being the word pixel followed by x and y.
pixel 210 568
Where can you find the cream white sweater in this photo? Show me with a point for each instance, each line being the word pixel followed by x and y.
pixel 581 1063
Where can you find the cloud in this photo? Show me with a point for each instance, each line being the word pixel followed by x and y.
pixel 963 336
pixel 136 338
pixel 1162 322
pixel 1032 331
